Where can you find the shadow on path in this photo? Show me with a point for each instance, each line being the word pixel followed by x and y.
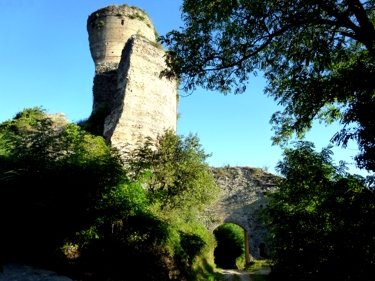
pixel 18 272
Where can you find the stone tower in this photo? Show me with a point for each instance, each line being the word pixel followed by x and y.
pixel 128 62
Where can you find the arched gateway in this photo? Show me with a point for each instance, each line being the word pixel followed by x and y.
pixel 242 195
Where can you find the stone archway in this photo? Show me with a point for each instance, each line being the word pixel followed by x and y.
pixel 246 239
pixel 242 194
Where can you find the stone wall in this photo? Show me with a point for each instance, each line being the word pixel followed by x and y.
pixel 144 105
pixel 128 62
pixel 110 28
pixel 105 85
pixel 242 195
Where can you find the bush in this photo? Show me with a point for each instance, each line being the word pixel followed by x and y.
pixel 62 188
pixel 54 182
pixel 321 220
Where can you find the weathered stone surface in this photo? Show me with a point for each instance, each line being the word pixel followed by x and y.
pixel 128 63
pixel 59 121
pixel 144 105
pixel 105 84
pixel 242 195
pixel 109 28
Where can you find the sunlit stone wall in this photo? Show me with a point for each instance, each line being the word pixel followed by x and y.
pixel 242 194
pixel 127 85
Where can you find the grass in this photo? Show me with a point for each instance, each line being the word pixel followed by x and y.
pixel 120 15
pixel 204 270
pixel 221 172
pixel 257 264
pixel 137 16
pixel 214 277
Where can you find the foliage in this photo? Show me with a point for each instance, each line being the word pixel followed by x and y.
pixel 321 220
pixel 137 240
pixel 179 176
pixel 95 123
pixel 136 16
pixel 142 236
pixel 61 173
pixel 179 185
pixel 120 15
pixel 257 264
pixel 230 252
pixel 61 186
pixel 159 46
pixel 153 43
pixel 135 8
pixel 100 24
pixel 23 120
pixel 318 58
pixel 193 255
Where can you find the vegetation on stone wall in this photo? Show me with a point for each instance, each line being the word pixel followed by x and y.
pixel 63 189
pixel 135 8
pixel 136 16
pixel 134 13
pixel 120 15
pixel 256 173
pixel 99 24
pixel 153 43
pixel 95 123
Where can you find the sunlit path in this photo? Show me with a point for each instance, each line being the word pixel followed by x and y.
pixel 230 273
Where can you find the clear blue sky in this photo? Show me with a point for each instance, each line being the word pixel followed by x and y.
pixel 46 61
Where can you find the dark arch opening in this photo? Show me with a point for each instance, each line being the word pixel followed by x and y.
pixel 232 251
pixel 262 250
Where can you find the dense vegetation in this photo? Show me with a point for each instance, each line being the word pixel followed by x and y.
pixel 321 220
pixel 66 194
pixel 317 57
pixel 64 191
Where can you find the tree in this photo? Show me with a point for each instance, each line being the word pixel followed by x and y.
pixel 179 185
pixel 64 188
pixel 177 174
pixel 321 220
pixel 317 56
pixel 55 181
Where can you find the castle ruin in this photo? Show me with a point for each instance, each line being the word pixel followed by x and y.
pixel 140 104
pixel 128 62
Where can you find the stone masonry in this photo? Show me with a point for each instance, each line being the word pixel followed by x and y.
pixel 242 194
pixel 128 62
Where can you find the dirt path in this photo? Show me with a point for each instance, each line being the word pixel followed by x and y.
pixel 18 272
pixel 230 273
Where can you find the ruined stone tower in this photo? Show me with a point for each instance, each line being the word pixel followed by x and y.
pixel 128 62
